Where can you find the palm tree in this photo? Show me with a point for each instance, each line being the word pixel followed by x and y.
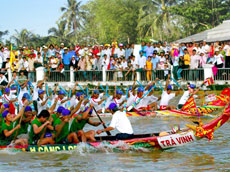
pixel 72 14
pixel 155 19
pixel 2 33
pixel 23 37
pixel 59 32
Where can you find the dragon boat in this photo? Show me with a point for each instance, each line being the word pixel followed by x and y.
pixel 152 141
pixel 189 109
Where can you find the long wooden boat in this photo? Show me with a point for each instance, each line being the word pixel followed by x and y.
pixel 150 141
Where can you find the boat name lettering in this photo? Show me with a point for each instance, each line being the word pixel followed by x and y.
pixel 176 140
pixel 51 148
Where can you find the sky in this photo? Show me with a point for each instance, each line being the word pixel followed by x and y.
pixel 34 15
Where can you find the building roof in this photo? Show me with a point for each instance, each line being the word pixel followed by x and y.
pixel 218 33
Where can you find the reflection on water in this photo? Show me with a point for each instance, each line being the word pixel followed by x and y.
pixel 199 156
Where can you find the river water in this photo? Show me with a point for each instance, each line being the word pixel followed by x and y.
pixel 199 156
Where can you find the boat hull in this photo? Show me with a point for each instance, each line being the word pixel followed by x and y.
pixel 149 143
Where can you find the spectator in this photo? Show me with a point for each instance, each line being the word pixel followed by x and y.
pixel 181 67
pixel 186 59
pixel 38 62
pixel 128 51
pixel 31 74
pixel 218 59
pixel 148 50
pixel 24 66
pixel 105 62
pixel 162 61
pixel 1 57
pixel 3 80
pixel 227 53
pixel 22 78
pixel 120 51
pixel 194 64
pixel 155 61
pixel 53 62
pixel 149 67
pixel 203 59
pixel 66 59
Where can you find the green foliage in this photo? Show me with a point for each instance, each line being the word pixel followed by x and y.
pixel 200 15
pixel 133 21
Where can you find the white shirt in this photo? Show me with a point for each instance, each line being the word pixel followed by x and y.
pixel 227 50
pixel 142 62
pixel 6 98
pixel 107 52
pixel 165 98
pixel 134 64
pixel 218 59
pixel 96 101
pixel 119 52
pixel 194 63
pixel 6 54
pixel 35 93
pixel 39 60
pixel 59 102
pixel 121 122
pixel 39 104
pixel 3 79
pixel 25 65
pixel 124 65
pixel 184 98
pixel 205 48
pixel 74 102
pixel 105 63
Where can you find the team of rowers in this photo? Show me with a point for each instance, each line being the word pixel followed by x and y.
pixel 47 118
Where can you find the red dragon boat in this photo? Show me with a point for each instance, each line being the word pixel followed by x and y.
pixel 152 141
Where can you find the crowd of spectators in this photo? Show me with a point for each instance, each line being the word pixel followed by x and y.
pixel 118 58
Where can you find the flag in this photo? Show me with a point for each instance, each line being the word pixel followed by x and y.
pixel 189 104
pixel 209 81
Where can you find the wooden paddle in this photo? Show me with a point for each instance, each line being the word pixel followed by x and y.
pixel 20 120
pixel 108 132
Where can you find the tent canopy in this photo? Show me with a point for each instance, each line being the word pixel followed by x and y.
pixel 218 33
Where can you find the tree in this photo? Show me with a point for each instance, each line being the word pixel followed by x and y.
pixel 73 15
pixel 155 20
pixel 59 32
pixel 23 37
pixel 199 15
pixel 114 20
pixel 3 33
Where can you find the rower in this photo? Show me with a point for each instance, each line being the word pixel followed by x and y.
pixel 42 101
pixel 9 98
pixel 62 123
pixel 58 113
pixel 22 101
pixel 119 99
pixel 25 123
pixel 37 128
pixel 75 100
pixel 119 121
pixel 8 131
pixel 61 99
pixel 166 96
pixel 62 129
pixel 187 95
pixel 97 100
pixel 38 86
pixel 79 123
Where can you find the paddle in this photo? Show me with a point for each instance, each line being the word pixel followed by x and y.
pixel 108 133
pixel 20 121
pixel 140 84
pixel 176 83
pixel 162 89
